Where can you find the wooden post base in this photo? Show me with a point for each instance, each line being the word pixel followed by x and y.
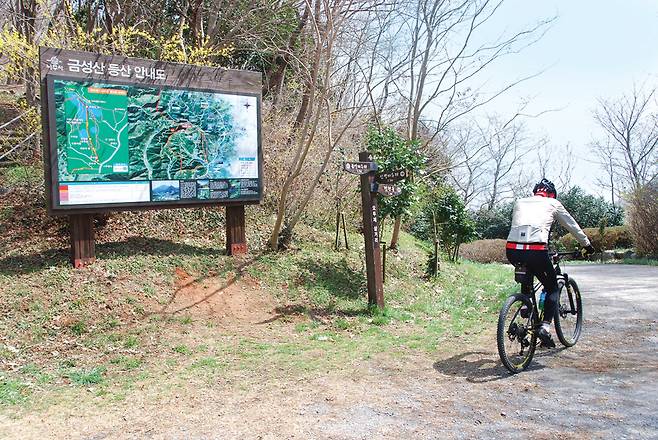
pixel 83 248
pixel 236 240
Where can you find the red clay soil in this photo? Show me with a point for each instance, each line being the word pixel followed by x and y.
pixel 229 301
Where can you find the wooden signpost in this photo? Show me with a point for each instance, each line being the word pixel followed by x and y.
pixel 371 185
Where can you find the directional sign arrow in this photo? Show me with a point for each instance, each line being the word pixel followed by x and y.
pixel 386 189
pixel 359 167
pixel 392 176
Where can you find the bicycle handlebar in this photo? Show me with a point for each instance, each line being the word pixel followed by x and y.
pixel 557 256
pixel 566 254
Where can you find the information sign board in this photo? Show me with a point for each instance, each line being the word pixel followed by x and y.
pixel 126 133
pixel 391 176
pixel 386 189
pixel 359 167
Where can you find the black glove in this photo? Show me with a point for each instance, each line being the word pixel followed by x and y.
pixel 587 251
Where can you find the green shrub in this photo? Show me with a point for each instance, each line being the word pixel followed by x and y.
pixel 615 237
pixel 392 152
pixel 589 211
pixel 494 223
pixel 484 251
pixel 443 207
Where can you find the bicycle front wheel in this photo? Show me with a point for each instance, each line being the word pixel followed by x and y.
pixel 516 336
pixel 569 316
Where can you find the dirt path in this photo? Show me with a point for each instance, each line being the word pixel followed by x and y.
pixel 605 387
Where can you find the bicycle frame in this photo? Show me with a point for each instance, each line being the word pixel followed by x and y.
pixel 523 334
pixel 529 288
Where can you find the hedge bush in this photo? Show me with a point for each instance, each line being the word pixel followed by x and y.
pixel 614 237
pixel 589 211
pixel 484 251
pixel 643 219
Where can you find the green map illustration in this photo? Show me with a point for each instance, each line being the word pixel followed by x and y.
pixel 124 132
pixel 96 130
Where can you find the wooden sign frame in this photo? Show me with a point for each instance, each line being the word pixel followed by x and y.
pixel 83 67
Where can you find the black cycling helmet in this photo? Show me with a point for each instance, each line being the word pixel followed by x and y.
pixel 546 186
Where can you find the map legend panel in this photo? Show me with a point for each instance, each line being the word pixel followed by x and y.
pixel 81 193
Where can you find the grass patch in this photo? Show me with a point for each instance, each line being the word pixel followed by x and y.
pixel 208 363
pixel 22 175
pixel 127 363
pixel 85 376
pixel 182 349
pixel 78 328
pixel 12 391
pixel 324 322
pixel 131 341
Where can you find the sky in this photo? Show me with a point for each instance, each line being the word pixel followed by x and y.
pixel 594 49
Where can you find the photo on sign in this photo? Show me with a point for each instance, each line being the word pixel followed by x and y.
pixel 109 132
pixel 165 190
pixel 203 189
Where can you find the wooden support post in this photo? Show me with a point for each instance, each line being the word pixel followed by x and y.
pixel 371 236
pixel 236 239
pixel 83 248
pixel 347 245
pixel 337 241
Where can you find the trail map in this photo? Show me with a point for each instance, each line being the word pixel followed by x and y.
pixel 178 143
pixel 96 130
pixel 183 135
pixel 152 134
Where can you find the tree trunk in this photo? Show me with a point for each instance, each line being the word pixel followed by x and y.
pixel 196 19
pixel 274 79
pixel 396 233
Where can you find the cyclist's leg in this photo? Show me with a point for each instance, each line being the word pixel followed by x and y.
pixel 514 256
pixel 543 269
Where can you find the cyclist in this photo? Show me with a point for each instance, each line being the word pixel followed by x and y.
pixel 527 244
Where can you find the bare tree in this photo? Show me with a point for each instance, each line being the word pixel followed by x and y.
pixel 444 59
pixel 506 146
pixel 324 95
pixel 628 150
pixel 491 160
pixel 605 153
pixel 468 175
pixel 554 163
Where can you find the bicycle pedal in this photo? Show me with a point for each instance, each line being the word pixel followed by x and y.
pixel 546 339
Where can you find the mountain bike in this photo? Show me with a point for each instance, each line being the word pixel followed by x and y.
pixel 521 316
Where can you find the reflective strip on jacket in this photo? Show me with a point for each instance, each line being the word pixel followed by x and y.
pixel 533 217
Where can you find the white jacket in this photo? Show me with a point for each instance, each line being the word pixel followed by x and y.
pixel 533 217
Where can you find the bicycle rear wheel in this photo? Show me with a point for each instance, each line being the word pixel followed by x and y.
pixel 569 316
pixel 516 338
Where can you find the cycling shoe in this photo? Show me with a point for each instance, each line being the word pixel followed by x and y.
pixel 545 338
